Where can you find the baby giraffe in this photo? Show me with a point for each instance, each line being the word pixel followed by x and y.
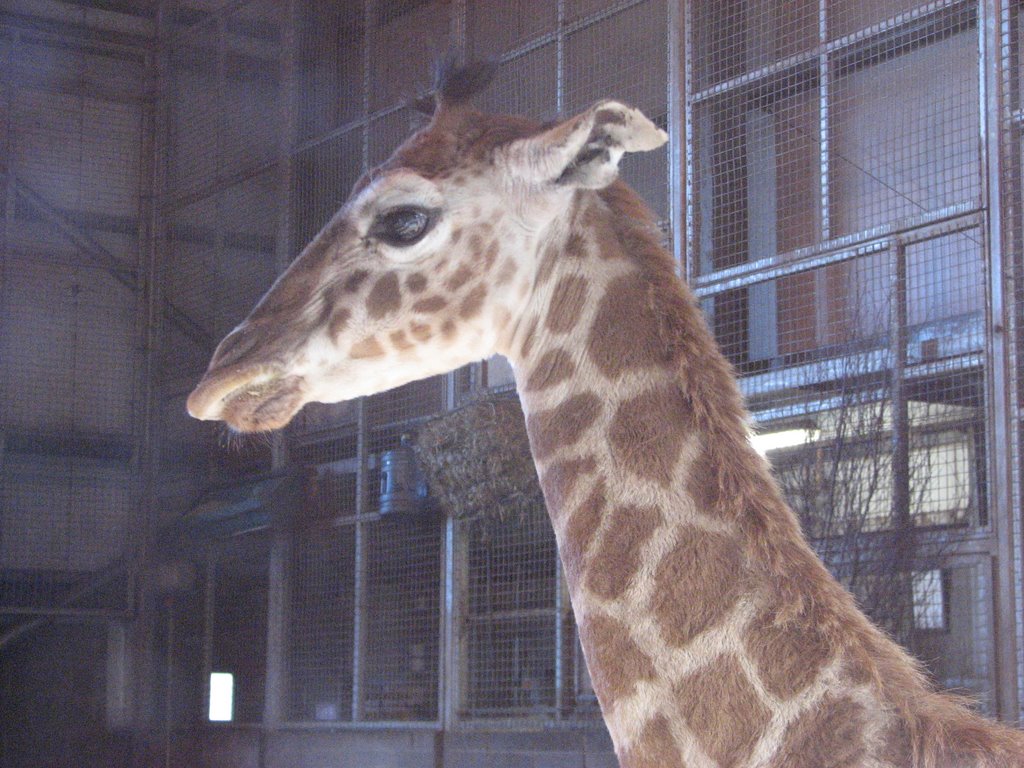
pixel 713 635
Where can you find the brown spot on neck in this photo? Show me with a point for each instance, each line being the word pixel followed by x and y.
pixel 616 663
pixel 617 559
pixel 561 477
pixel 580 530
pixel 697 583
pixel 563 425
pixel 338 322
pixel 576 246
pixel 648 433
pixel 723 710
pixel 633 329
pixel 400 341
pixel 529 338
pixel 567 300
pixel 421 332
pixel 829 733
pixel 554 367
pixel 473 303
pixel 789 654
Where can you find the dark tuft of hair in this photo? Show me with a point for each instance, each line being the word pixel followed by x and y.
pixel 454 84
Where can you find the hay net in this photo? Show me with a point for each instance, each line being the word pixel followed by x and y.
pixel 477 460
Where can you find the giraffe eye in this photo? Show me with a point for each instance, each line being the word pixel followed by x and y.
pixel 403 226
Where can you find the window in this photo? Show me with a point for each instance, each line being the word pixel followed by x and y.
pixel 931 598
pixel 818 126
pixel 222 697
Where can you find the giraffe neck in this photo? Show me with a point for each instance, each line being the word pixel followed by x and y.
pixel 712 633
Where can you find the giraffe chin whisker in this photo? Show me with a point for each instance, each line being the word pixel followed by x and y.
pixel 264 406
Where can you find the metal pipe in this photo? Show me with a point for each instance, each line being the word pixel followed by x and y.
pixel 955 218
pixel 278 586
pixel 690 254
pixel 359 582
pixel 999 388
pixel 677 137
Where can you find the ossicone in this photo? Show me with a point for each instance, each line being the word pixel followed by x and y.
pixel 455 84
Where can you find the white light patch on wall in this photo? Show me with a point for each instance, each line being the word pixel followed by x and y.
pixel 788 438
pixel 222 696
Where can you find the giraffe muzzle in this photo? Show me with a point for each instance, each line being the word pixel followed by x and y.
pixel 247 400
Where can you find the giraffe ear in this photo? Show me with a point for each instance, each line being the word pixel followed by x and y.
pixel 585 150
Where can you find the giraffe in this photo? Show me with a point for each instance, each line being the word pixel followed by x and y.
pixel 713 634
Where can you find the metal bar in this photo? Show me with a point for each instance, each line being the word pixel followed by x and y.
pixel 63 31
pixel 999 394
pixel 219 184
pixel 496 617
pixel 169 686
pixel 359 582
pixel 215 16
pixel 832 48
pixel 369 7
pixel 92 584
pixel 559 40
pixel 1012 244
pixel 677 137
pixel 900 437
pixel 209 620
pixel 601 15
pixel 560 665
pixel 960 217
pixel 448 678
pixel 832 369
pixel 47 614
pixel 278 571
pixel 299 726
pixel 121 271
pixel 824 128
pixel 689 256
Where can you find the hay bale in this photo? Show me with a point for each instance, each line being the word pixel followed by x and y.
pixel 477 460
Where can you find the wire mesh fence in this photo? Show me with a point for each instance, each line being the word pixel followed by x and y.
pixel 838 247
pixel 836 233
pixel 70 361
pixel 836 243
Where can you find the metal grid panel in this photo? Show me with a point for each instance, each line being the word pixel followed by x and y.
pixel 69 337
pixel 332 66
pixel 238 631
pixel 796 138
pixel 511 617
pixel 834 241
pixel 401 620
pixel 321 634
pixel 623 54
pixel 403 36
pixel 1012 208
pixel 324 175
pixel 223 76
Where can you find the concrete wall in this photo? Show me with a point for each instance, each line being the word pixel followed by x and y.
pixel 394 748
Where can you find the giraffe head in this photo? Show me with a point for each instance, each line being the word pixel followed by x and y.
pixel 428 266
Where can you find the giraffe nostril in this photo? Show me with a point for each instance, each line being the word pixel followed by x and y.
pixel 234 347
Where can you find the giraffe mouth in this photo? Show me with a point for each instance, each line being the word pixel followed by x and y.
pixel 248 403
